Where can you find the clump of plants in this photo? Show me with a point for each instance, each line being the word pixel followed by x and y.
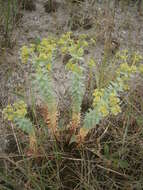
pixel 97 144
pixel 107 100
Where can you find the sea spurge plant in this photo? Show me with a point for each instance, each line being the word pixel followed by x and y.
pixel 77 92
pixel 42 60
pixel 45 89
pixel 106 101
pixel 43 80
pixel 106 98
pixel 16 113
pixel 76 50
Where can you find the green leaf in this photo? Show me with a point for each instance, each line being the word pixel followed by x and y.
pixel 123 164
pixel 91 119
pixel 24 124
pixel 106 150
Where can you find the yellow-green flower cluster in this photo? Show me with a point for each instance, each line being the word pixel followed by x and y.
pixel 125 82
pixel 25 53
pixel 98 94
pixel 125 68
pixel 124 72
pixel 123 55
pixel 65 42
pixel 45 49
pixel 17 110
pixel 93 41
pixel 140 68
pixel 83 36
pixel 130 64
pixel 82 42
pixel 75 68
pixel 72 46
pixel 99 103
pixel 46 45
pixel 114 103
pixel 32 48
pixel 137 57
pixel 65 38
pixel 106 102
pixel 76 51
pixel 103 109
